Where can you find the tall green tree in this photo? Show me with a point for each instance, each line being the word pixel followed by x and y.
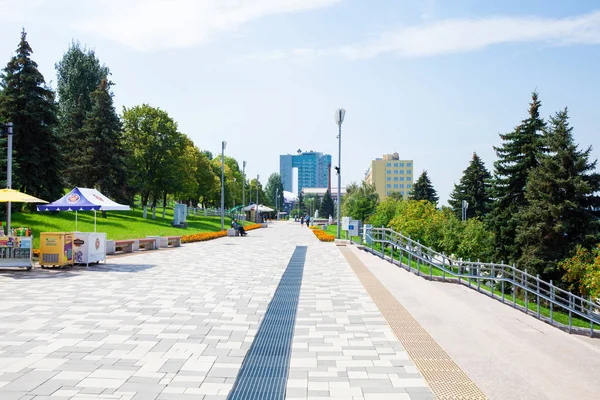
pixel 423 189
pixel 206 179
pixel 104 155
pixel 79 74
pixel 156 144
pixel 274 188
pixel 29 104
pixel 475 188
pixel 563 206
pixel 361 202
pixel 518 155
pixel 327 208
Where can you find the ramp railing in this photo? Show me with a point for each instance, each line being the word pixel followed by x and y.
pixel 503 282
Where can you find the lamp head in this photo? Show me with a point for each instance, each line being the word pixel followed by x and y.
pixel 339 116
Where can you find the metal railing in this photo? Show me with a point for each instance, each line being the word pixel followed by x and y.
pixel 505 283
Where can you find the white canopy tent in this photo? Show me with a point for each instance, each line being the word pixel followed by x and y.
pixel 84 199
pixel 261 208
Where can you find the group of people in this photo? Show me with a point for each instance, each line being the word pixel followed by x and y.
pixel 305 218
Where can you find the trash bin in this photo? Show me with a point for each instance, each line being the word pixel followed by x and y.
pixel 56 249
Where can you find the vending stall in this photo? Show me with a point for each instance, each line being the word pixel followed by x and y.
pixel 88 247
pixel 16 251
pixel 16 244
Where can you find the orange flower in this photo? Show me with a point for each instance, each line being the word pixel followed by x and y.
pixel 323 236
pixel 202 237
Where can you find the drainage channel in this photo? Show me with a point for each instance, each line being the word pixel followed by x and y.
pixel 264 371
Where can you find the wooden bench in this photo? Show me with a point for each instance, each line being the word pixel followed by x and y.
pixel 125 245
pixel 149 243
pixel 174 241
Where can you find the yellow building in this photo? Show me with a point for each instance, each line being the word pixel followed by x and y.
pixel 390 174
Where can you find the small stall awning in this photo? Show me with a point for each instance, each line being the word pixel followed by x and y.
pixel 83 199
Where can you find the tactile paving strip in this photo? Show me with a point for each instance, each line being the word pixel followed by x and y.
pixel 444 377
pixel 264 371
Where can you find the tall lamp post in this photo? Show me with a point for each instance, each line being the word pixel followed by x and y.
pixel 244 191
pixel 223 145
pixel 8 131
pixel 234 181
pixel 339 119
pixel 256 213
pixel 277 203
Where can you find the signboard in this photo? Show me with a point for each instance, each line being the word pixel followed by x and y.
pixel 345 223
pixel 353 227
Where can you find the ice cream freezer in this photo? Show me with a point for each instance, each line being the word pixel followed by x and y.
pixel 56 249
pixel 89 247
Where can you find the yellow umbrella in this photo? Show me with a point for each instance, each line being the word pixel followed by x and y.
pixel 14 196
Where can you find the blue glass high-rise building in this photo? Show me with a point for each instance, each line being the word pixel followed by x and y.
pixel 313 170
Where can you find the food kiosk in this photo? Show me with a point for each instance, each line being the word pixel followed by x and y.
pixel 16 251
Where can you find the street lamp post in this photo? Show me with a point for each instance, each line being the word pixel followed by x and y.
pixel 9 140
pixel 244 191
pixel 223 145
pixel 277 203
pixel 339 119
pixel 234 181
pixel 256 213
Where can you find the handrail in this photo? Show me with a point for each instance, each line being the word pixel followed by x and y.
pixel 490 274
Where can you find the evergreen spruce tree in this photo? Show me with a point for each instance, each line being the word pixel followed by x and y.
pixel 474 187
pixel 104 155
pixel 79 73
pixel 423 189
pixel 29 104
pixel 518 155
pixel 327 208
pixel 563 207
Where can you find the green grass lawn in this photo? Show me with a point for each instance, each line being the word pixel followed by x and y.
pixel 117 225
pixel 333 230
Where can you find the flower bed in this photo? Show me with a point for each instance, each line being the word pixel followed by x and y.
pixel 202 237
pixel 323 236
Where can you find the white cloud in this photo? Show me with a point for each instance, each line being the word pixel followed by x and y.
pixel 465 35
pixel 159 24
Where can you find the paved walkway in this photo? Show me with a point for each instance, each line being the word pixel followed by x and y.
pixel 509 355
pixel 177 324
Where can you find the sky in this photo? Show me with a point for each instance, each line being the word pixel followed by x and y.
pixel 434 80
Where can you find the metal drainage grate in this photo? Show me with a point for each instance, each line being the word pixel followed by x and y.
pixel 264 372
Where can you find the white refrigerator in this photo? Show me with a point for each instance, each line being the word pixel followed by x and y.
pixel 89 247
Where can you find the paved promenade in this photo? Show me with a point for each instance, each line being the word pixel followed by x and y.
pixel 177 324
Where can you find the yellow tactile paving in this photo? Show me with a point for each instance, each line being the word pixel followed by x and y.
pixel 446 379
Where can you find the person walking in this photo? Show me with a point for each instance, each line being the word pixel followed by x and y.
pixel 307 220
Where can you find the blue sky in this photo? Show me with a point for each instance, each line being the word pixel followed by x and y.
pixel 433 80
